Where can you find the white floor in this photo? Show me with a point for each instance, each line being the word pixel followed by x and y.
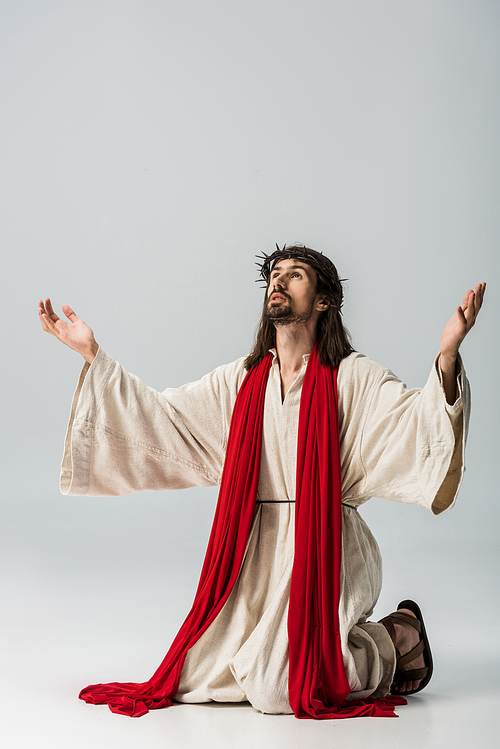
pixel 68 622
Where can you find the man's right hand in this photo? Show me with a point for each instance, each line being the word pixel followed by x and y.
pixel 76 334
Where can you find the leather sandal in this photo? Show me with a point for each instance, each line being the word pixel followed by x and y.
pixel 423 647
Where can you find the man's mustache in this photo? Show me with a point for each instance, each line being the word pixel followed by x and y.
pixel 281 293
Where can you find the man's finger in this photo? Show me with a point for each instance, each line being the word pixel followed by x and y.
pixel 50 311
pixel 43 317
pixel 479 296
pixel 70 314
pixel 465 302
pixel 46 324
pixel 470 312
pixel 49 325
pixel 477 301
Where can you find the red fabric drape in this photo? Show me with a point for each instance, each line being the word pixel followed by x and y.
pixel 317 681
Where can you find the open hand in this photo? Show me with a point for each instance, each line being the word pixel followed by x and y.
pixel 461 321
pixel 76 334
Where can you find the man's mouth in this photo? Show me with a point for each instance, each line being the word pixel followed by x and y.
pixel 277 298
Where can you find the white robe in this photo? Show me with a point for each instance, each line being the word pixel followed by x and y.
pixel 404 445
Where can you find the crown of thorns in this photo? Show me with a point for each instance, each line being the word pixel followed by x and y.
pixel 323 265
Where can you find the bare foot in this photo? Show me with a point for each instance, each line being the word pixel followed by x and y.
pixel 406 639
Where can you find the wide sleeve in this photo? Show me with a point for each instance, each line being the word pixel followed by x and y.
pixel 125 437
pixel 402 444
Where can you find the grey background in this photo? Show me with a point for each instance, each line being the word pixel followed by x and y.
pixel 149 150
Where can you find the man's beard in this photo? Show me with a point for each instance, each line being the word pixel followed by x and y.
pixel 283 314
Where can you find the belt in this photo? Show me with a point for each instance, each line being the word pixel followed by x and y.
pixel 292 501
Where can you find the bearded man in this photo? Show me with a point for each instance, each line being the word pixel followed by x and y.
pixel 298 434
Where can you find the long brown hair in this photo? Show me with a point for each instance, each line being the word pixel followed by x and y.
pixel 333 338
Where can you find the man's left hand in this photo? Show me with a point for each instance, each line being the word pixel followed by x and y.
pixel 461 322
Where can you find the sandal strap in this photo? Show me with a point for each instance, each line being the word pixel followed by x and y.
pixel 399 616
pixel 412 654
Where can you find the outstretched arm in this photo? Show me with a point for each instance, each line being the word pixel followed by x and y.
pixel 454 333
pixel 76 334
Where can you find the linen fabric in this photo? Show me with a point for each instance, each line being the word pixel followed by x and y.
pixel 405 445
pixel 223 559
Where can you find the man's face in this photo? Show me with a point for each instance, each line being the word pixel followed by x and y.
pixel 291 294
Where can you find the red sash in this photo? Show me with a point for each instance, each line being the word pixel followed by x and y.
pixel 318 684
